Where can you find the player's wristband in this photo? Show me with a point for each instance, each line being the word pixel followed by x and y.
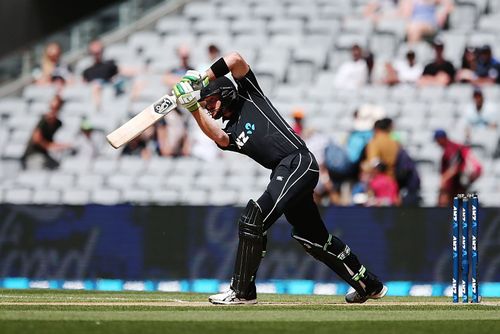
pixel 220 68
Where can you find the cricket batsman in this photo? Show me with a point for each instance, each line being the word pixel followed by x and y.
pixel 255 128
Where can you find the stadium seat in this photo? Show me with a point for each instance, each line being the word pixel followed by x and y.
pixel 222 197
pixel 165 197
pixel 46 196
pixel 89 181
pixel 120 181
pixel 194 197
pixel 12 105
pixel 105 196
pixel 136 196
pixel 32 179
pixel 18 196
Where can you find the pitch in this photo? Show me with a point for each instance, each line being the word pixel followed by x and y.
pixel 49 311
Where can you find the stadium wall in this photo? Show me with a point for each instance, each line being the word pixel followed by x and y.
pixel 138 243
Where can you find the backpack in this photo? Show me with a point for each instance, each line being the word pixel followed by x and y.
pixel 406 172
pixel 337 161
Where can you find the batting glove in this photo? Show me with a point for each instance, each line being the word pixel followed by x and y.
pixel 195 79
pixel 186 96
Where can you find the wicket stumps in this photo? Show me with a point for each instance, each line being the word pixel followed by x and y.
pixel 465 220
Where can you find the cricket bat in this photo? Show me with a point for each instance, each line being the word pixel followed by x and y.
pixel 143 120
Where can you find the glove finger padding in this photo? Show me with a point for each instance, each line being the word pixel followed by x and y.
pixel 185 96
pixel 195 79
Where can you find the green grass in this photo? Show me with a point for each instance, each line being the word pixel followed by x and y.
pixel 54 312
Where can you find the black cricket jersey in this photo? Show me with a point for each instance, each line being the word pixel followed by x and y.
pixel 257 130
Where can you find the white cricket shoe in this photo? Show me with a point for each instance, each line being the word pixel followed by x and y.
pixel 229 298
pixel 353 297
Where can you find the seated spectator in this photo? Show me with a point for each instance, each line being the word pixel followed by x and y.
pixel 89 141
pixel 382 189
pixel 37 154
pixel 467 72
pixel 488 68
pixel 352 74
pixel 175 74
pixel 439 72
pixel 101 72
pixel 172 135
pixel 141 145
pixel 213 53
pixel 52 70
pixel 407 71
pixel 425 17
pixel 479 114
pixel 298 118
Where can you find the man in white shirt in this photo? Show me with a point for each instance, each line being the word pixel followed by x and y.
pixel 352 74
pixel 480 114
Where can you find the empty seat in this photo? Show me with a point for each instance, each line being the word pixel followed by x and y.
pixel 105 196
pixel 18 196
pixel 209 181
pixel 222 197
pixel 194 197
pixel 120 181
pixel 13 150
pixel 77 165
pixel 75 197
pixel 149 182
pixel 131 165
pixel 160 166
pixel 172 25
pixel 239 181
pixel 12 105
pixel 286 26
pixel 165 196
pixel 196 10
pixel 38 93
pixel 248 26
pixel 104 166
pixel 32 179
pixel 89 181
pixel 142 40
pixel 46 196
pixel 136 196
pixel 60 180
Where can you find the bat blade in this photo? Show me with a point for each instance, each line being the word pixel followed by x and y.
pixel 140 122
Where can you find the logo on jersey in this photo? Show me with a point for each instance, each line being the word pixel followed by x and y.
pixel 250 128
pixel 244 135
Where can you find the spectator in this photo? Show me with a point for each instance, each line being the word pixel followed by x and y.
pixel 89 141
pixel 352 74
pixel 382 147
pixel 101 72
pixel 407 71
pixel 452 163
pixel 213 53
pixel 425 17
pixel 324 192
pixel 488 68
pixel 140 146
pixel 382 189
pixel 52 70
pixel 439 72
pixel 479 114
pixel 175 74
pixel 198 145
pixel 172 135
pixel 467 72
pixel 37 154
pixel 298 118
